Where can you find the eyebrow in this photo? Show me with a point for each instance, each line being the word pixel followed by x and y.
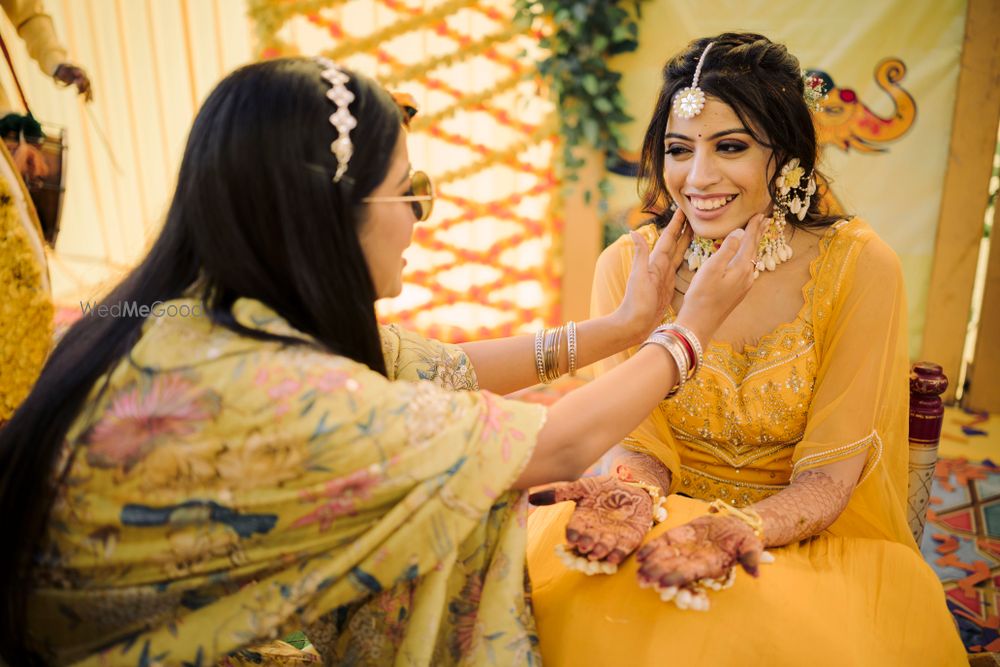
pixel 735 130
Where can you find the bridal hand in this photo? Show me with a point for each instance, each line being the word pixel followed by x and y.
pixel 705 548
pixel 610 519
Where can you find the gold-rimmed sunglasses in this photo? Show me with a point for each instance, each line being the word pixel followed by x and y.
pixel 420 195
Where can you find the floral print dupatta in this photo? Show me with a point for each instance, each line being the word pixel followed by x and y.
pixel 220 492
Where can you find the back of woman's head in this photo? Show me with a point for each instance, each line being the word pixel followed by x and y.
pixel 256 196
pixel 762 82
pixel 255 214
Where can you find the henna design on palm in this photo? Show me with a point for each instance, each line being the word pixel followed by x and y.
pixel 705 548
pixel 610 519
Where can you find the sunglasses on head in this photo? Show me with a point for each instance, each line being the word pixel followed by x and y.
pixel 420 195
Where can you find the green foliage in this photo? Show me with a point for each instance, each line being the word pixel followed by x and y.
pixel 584 35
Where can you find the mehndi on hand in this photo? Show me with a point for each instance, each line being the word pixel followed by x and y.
pixel 609 522
pixel 702 554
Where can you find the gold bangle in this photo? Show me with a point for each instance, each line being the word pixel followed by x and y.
pixel 746 515
pixel 562 334
pixel 539 360
pixel 556 349
pixel 549 351
pixel 571 346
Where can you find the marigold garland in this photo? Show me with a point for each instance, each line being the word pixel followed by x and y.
pixel 506 157
pixel 26 311
pixel 390 33
pixel 421 69
pixel 503 44
pixel 468 102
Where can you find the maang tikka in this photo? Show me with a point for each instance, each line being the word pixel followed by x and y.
pixel 688 102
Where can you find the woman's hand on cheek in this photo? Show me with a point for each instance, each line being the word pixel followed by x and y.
pixel 650 284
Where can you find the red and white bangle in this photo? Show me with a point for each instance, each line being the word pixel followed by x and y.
pixel 691 341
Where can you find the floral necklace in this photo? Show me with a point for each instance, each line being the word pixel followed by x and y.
pixel 772 250
pixel 795 190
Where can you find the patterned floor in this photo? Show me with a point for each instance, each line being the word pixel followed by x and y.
pixel 962 538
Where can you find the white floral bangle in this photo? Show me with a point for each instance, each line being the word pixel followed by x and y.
pixel 574 561
pixel 695 596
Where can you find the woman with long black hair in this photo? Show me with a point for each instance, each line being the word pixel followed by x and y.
pixel 244 452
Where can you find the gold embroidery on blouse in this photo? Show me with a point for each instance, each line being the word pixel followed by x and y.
pixel 707 487
pixel 729 452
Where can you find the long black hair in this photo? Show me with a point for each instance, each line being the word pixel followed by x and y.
pixel 255 214
pixel 762 82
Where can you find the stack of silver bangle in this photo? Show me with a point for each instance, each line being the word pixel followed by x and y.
pixel 683 346
pixel 548 348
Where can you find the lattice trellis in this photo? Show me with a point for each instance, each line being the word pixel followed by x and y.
pixel 488 263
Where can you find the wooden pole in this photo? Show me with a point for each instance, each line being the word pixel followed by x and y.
pixel 966 183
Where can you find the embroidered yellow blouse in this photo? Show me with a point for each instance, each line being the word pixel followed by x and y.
pixel 828 385
pixel 821 388
pixel 224 491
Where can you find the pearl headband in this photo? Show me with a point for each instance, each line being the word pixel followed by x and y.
pixel 341 119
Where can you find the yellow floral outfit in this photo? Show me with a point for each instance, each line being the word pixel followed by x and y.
pixel 824 387
pixel 26 310
pixel 220 492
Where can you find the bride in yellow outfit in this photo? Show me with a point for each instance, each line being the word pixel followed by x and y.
pixel 785 453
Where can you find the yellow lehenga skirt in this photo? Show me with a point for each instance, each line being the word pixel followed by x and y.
pixel 834 601
pixel 827 386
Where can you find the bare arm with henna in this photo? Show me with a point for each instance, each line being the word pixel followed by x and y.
pixel 636 466
pixel 808 506
pixel 709 545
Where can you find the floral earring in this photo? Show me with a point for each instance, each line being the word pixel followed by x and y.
pixel 795 189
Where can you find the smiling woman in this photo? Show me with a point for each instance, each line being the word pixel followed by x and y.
pixel 233 448
pixel 792 437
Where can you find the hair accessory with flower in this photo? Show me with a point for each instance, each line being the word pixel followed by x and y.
pixel 795 189
pixel 688 102
pixel 814 91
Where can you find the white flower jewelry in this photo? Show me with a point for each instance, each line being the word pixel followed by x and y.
pixel 772 250
pixel 795 189
pixel 341 119
pixel 695 596
pixel 688 102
